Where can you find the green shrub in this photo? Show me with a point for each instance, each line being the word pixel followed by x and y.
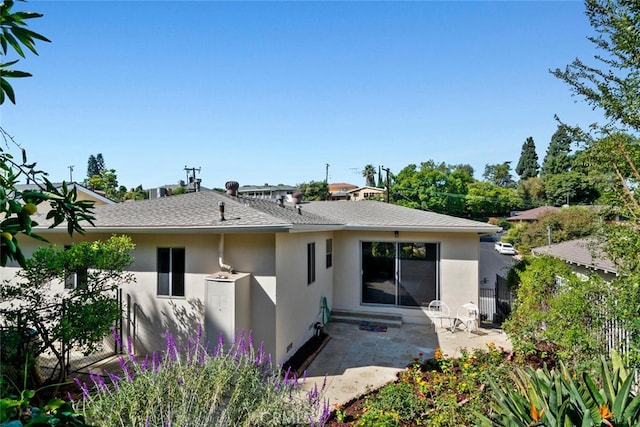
pixel 439 392
pixel 555 310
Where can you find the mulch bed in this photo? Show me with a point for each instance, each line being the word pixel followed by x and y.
pixel 302 358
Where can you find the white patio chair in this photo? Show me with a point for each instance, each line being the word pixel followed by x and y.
pixel 466 315
pixel 439 310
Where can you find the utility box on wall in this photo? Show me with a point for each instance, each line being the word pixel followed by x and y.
pixel 227 306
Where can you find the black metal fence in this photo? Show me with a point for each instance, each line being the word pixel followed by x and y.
pixel 19 336
pixel 495 304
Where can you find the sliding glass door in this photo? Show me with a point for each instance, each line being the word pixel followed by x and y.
pixel 400 274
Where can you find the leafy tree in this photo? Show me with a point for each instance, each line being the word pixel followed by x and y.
pixel 558 158
pixel 314 190
pixel 79 317
pixel 568 223
pixel 380 183
pixel 435 187
pixel 485 199
pixel 528 164
pixel 16 35
pixel 499 174
pixel 532 191
pixel 369 174
pixel 107 181
pixel 95 165
pixel 17 207
pixel 139 193
pixel 611 84
pixel 570 188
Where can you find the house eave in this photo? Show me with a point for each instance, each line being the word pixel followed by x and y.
pixel 423 229
pixel 174 230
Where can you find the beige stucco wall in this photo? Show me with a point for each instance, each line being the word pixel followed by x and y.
pixel 283 307
pixel 458 270
pixel 298 305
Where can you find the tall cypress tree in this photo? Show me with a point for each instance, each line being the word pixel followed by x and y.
pixel 528 165
pixel 558 158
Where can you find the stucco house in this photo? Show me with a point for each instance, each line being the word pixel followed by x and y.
pixel 232 263
pixel 366 193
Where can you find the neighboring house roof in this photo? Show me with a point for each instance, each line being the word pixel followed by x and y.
pixel 200 211
pixel 369 214
pixel 532 214
pixel 340 187
pixel 583 252
pixel 266 187
pixel 365 188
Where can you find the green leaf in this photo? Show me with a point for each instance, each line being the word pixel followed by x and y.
pixel 6 89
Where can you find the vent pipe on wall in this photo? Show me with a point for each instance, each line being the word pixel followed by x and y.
pixel 223 266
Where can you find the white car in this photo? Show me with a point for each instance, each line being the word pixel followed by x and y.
pixel 505 248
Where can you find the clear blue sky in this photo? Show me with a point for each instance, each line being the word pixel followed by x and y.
pixel 270 92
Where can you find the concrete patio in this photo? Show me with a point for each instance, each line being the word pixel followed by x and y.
pixel 355 360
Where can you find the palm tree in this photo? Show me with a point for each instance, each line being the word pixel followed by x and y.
pixel 369 173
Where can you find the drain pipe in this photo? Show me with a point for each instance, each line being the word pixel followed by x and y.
pixel 223 266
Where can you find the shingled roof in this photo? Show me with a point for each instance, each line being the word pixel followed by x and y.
pixel 532 214
pixel 370 214
pixel 200 211
pixel 583 252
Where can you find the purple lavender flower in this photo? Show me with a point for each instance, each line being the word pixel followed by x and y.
pixel 144 364
pixel 220 346
pixel 172 348
pixel 116 336
pixel 83 386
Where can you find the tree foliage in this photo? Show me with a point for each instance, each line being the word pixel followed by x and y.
pixel 611 82
pixel 18 206
pixel 79 317
pixel 557 160
pixel 556 310
pixel 528 166
pixel 436 187
pixel 15 36
pixel 95 165
pixel 369 174
pixel 314 190
pixel 499 174
pixel 485 199
pixel 568 223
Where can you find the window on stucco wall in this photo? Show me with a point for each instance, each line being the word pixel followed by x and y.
pixel 171 269
pixel 329 256
pixel 311 263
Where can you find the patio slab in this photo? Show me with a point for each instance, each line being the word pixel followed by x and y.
pixel 355 361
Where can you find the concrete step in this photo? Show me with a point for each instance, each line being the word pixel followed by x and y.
pixel 348 316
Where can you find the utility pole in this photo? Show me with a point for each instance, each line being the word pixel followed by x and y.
pixel 192 179
pixel 326 173
pixel 70 173
pixel 387 180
